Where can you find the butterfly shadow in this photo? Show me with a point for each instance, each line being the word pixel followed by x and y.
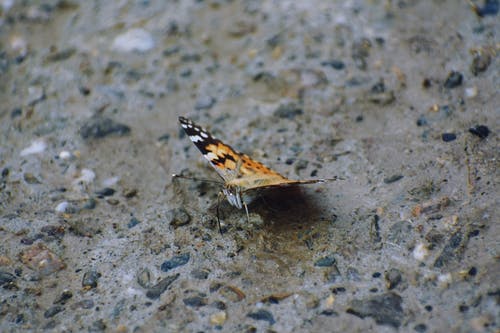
pixel 283 210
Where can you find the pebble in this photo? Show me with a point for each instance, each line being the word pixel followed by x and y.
pixel 232 293
pixel 218 318
pixel 393 179
pixel 420 328
pixel 490 7
pixel 36 147
pixel 134 40
pixel 335 64
pixel 64 297
pixel 156 291
pixel 105 192
pixel 200 273
pixel 471 92
pixel 65 155
pixel 83 304
pixel 447 137
pixel 453 80
pixel 6 278
pixel 144 278
pixel 204 102
pixel 420 252
pixel 178 217
pixel 90 279
pixel 262 315
pixel 452 251
pixel 100 127
pixel 62 207
pixel 39 258
pixel 392 278
pixel 87 176
pixel 288 111
pixel 175 261
pixel 30 178
pixel 196 301
pixel 480 62
pixel 385 309
pixel 481 131
pixel 133 222
pixel 327 261
pixel 18 47
pixel 51 312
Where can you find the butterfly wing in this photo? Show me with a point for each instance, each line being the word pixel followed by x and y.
pixel 224 159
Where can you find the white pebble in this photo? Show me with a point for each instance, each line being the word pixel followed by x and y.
pixel 61 208
pixel 64 155
pixel 37 146
pixel 445 280
pixel 471 92
pixel 134 40
pixel 110 181
pixel 420 252
pixel 86 176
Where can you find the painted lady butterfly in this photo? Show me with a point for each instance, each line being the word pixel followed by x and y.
pixel 239 172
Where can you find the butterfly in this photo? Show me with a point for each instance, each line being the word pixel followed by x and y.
pixel 239 172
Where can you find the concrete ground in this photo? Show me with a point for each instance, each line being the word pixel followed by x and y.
pixel 399 98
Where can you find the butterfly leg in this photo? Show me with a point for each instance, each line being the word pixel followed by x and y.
pixel 219 197
pixel 246 210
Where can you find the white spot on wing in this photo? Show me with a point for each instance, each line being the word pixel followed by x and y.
pixel 196 138
pixel 204 135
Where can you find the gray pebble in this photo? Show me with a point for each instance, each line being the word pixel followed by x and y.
pixel 204 102
pixel 392 278
pixel 100 127
pixel 90 279
pixel 178 217
pixel 176 261
pixel 385 309
pixel 51 312
pixel 262 315
pixel 158 289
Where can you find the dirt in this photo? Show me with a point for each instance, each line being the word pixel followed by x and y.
pixel 398 99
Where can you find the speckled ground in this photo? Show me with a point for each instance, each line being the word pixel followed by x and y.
pixel 400 98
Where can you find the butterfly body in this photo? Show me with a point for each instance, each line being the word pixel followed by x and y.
pixel 240 173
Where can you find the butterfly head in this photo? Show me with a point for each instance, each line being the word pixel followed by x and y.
pixel 233 195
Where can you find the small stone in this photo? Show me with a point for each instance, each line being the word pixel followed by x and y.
pixel 175 261
pixel 327 261
pixel 480 62
pixel 490 7
pixel 6 278
pixel 262 315
pixel 471 92
pixel 30 178
pixel 204 102
pixel 420 328
pixel 98 326
pixel 288 111
pixel 134 40
pixel 144 278
pixel 196 301
pixel 335 64
pixel 178 217
pixel 130 193
pixel 385 309
pixel 200 273
pixel 453 80
pixel 392 278
pixel 51 312
pixel 105 192
pixel 62 207
pixel 218 318
pixel 90 279
pixel 156 291
pixel 64 297
pixel 453 250
pixel 100 127
pixel 39 258
pixel 420 252
pixel 36 147
pixel 447 137
pixel 133 222
pixel 393 179
pixel 83 304
pixel 60 55
pixel 86 176
pixel 481 131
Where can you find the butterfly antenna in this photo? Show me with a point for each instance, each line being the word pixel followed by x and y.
pixel 174 175
pixel 246 210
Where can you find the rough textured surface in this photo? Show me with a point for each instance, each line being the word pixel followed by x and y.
pixel 400 98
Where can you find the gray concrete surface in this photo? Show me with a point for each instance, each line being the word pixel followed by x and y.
pixel 400 98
